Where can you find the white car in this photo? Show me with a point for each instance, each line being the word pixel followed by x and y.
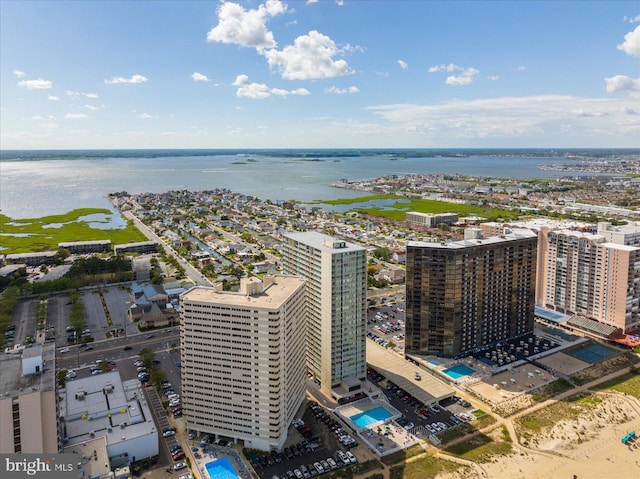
pixel 180 465
pixel 169 433
pixel 351 457
pixel 64 350
pixel 71 375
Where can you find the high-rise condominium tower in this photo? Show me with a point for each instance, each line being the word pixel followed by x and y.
pixel 243 373
pixel 594 275
pixel 466 294
pixel 336 274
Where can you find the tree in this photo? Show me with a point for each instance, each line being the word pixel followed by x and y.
pixel 147 355
pixel 234 270
pixel 62 378
pixel 76 317
pixel 383 253
pixel 158 376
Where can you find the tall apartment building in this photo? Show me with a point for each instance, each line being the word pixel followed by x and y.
pixel 336 272
pixel 594 275
pixel 243 374
pixel 29 422
pixel 466 294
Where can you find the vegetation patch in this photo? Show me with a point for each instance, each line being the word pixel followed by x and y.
pixel 627 383
pixel 43 234
pixel 480 448
pixel 423 467
pixel 403 455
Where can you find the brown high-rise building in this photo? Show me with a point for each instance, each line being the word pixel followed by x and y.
pixel 463 295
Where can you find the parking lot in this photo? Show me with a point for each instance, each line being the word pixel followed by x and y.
pixel 386 324
pixel 418 417
pixel 310 443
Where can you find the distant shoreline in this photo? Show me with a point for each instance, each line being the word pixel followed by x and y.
pixel 318 153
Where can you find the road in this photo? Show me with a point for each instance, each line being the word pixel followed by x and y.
pixel 113 349
pixel 192 273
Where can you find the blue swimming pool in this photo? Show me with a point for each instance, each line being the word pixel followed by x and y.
pixel 376 414
pixel 221 469
pixel 458 371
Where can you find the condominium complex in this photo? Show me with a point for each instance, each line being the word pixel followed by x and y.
pixel 594 275
pixel 336 272
pixel 431 220
pixel 28 402
pixel 465 294
pixel 243 374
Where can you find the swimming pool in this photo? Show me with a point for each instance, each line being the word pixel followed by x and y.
pixel 592 353
pixel 458 371
pixel 365 418
pixel 221 469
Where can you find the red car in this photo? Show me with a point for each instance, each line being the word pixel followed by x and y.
pixel 178 456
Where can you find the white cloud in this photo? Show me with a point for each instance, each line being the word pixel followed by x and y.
pixel 309 2
pixel 635 19
pixel 246 27
pixel 43 118
pixel 54 98
pixel 514 117
pixel 75 116
pixel 311 56
pixel 39 84
pixel 631 44
pixel 78 94
pixel 19 73
pixel 92 107
pixel 458 81
pixel 195 76
pixel 493 77
pixel 465 77
pixel 145 116
pixel 623 83
pixel 260 91
pixel 351 89
pixel 134 79
pixel 48 125
pixel 521 68
pixel 340 2
pixel 403 64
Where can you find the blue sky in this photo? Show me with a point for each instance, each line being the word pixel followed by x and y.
pixel 325 73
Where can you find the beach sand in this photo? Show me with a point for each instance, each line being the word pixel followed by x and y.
pixel 557 455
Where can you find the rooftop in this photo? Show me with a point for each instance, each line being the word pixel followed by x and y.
pixel 104 405
pixel 271 297
pixel 13 383
pixel 324 242
pixel 512 235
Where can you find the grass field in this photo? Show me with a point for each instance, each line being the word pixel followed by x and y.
pixel 480 448
pixel 33 235
pixel 628 383
pixel 424 467
pixel 397 210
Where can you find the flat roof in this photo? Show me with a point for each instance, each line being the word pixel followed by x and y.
pixel 14 383
pixel 104 405
pixel 324 242
pixel 514 234
pixel 401 372
pixel 271 297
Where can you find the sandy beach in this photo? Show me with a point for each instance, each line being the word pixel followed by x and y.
pixel 556 454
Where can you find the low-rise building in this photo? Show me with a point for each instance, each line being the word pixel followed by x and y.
pixel 105 406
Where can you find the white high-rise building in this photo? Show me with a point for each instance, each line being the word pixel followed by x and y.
pixel 336 272
pixel 243 374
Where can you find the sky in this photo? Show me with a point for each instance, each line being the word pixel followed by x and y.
pixel 319 74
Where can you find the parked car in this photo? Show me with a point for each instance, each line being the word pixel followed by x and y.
pixel 178 456
pixel 179 466
pixel 169 433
